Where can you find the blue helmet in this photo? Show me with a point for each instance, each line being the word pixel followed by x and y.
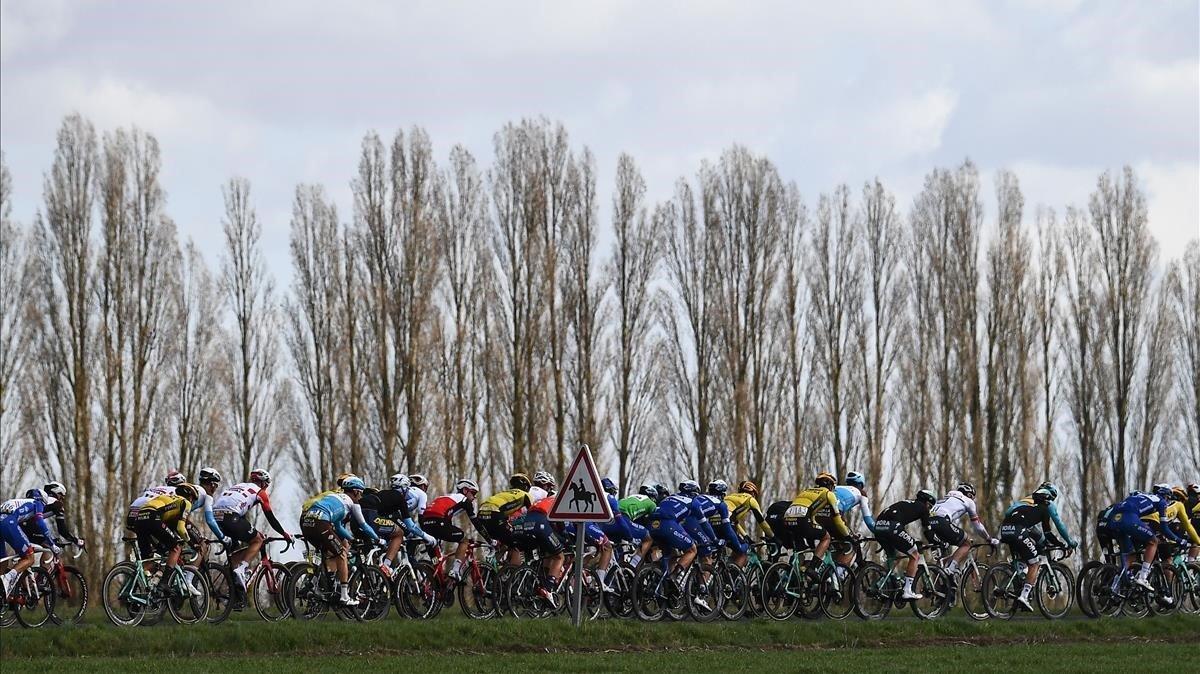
pixel 35 494
pixel 353 482
pixel 689 487
pixel 856 479
pixel 1050 488
pixel 1163 491
pixel 609 486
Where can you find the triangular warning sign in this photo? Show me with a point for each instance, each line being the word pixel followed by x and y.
pixel 581 498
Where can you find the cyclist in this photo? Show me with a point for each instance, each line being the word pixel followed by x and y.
pixel 853 495
pixel 174 479
pixel 721 523
pixel 943 525
pixel 543 485
pixel 388 514
pixel 323 525
pixel 13 514
pixel 622 527
pixel 1125 523
pixel 636 509
pixel 742 506
pixel 800 517
pixel 161 526
pixel 438 520
pixel 418 497
pixel 696 523
pixel 668 531
pixel 54 495
pixel 1026 529
pixel 209 480
pixel 891 532
pixel 533 531
pixel 1177 521
pixel 231 508
pixel 497 512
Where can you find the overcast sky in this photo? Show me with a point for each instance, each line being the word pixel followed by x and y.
pixel 282 92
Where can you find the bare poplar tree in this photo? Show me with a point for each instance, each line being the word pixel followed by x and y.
pixel 15 276
pixel 59 393
pixel 251 385
pixel 835 282
pixel 797 369
pixel 634 378
pixel 1126 257
pixel 1185 293
pixel 1047 289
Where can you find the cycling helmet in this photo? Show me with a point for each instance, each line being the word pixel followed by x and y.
pixel 1162 490
pixel 174 479
pixel 519 481
pixel 465 484
pixel 966 489
pixel 35 494
pixel 748 487
pixel 353 482
pixel 1179 494
pixel 718 488
pixel 1043 495
pixel 419 481
pixel 55 489
pixel 925 496
pixel 189 492
pixel 1194 489
pixel 341 479
pixel 856 479
pixel 609 486
pixel 826 480
pixel 260 475
pixel 662 490
pixel 209 475
pixel 544 479
pixel 400 482
pixel 649 489
pixel 690 487
pixel 1050 489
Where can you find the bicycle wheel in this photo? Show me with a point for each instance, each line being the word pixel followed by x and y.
pixel 592 601
pixel 780 591
pixel 836 591
pixel 703 593
pixel 1083 595
pixel 187 607
pixel 1189 588
pixel 370 587
pixel 970 592
pixel 222 594
pixel 304 596
pixel 1053 592
pixel 999 595
pixel 870 595
pixel 933 584
pixel 736 600
pixel 1101 594
pixel 618 599
pixel 649 604
pixel 71 598
pixel 33 598
pixel 420 595
pixel 754 583
pixel 479 597
pixel 268 591
pixel 523 597
pixel 123 600
pixel 1162 600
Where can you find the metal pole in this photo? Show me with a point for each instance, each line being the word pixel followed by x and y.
pixel 577 598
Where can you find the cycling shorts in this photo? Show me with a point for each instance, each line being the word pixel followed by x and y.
pixel 384 527
pixel 669 535
pixel 495 527
pixel 894 539
pixel 235 526
pixel 533 532
pixel 1024 543
pixel 705 544
pixel 946 531
pixel 322 535
pixel 803 532
pixel 1128 527
pixel 154 536
pixel 442 529
pixel 621 529
pixel 11 533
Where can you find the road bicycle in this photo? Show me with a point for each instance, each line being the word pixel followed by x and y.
pixel 266 588
pixel 877 589
pixel 659 593
pixel 478 592
pixel 312 589
pixel 1053 592
pixel 970 583
pixel 31 599
pixel 131 595
pixel 525 600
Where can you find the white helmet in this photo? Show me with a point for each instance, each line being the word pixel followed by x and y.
pixel 543 479
pixel 400 482
pixel 466 484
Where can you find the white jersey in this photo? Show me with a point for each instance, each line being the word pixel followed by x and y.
pixel 536 494
pixel 417 500
pixel 150 493
pixel 954 506
pixel 238 498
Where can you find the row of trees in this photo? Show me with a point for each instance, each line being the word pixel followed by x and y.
pixel 466 320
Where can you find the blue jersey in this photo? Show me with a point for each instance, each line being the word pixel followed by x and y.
pixel 677 507
pixel 18 511
pixel 338 509
pixel 1143 504
pixel 849 498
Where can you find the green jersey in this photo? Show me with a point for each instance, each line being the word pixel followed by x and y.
pixel 636 506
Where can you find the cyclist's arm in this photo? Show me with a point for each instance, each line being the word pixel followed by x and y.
pixel 271 519
pixel 1058 524
pixel 43 527
pixel 1164 526
pixel 839 524
pixel 60 522
pixel 973 513
pixel 339 525
pixel 181 524
pixel 1187 525
pixel 361 523
pixel 759 518
pixel 864 505
pixel 209 518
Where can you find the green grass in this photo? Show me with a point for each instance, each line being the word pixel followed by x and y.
pixel 454 634
pixel 956 659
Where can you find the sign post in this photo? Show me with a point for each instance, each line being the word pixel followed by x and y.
pixel 581 501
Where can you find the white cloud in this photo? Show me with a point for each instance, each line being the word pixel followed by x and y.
pixel 25 25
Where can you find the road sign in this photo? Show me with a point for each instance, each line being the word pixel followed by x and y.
pixel 581 498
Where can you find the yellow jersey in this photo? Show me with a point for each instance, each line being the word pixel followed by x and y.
pixel 508 503
pixel 810 502
pixel 1177 513
pixel 742 506
pixel 172 510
